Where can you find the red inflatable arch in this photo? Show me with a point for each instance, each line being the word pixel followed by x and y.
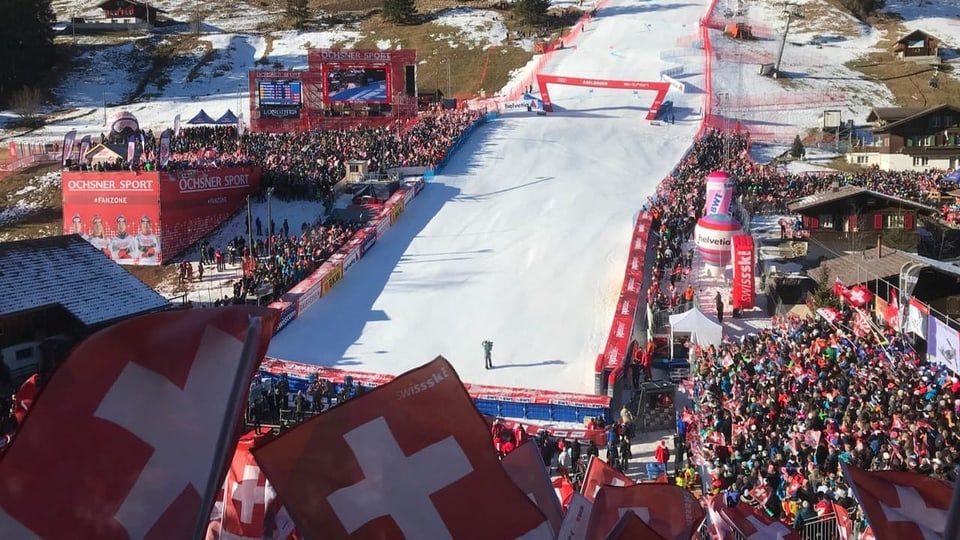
pixel 660 87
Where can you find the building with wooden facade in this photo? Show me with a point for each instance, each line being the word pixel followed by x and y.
pixel 910 139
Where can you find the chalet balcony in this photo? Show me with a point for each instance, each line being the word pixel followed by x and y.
pixel 867 149
pixel 946 150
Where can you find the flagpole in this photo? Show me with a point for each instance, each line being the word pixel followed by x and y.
pixel 240 380
pixel 951 531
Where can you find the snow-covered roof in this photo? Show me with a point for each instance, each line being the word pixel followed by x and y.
pixel 69 271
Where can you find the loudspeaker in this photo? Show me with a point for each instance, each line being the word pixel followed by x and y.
pixel 410 80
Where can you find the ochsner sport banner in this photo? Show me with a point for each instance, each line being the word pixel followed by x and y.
pixel 942 344
pixel 68 141
pixel 117 212
pixel 84 148
pixel 131 148
pixel 164 156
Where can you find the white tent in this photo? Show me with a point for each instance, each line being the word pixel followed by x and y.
pixel 703 330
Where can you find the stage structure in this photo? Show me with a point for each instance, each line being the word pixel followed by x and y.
pixel 148 217
pixel 340 88
pixel 661 88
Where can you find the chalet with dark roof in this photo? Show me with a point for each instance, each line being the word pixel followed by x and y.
pixel 851 218
pixel 129 12
pixel 918 46
pixel 62 289
pixel 911 139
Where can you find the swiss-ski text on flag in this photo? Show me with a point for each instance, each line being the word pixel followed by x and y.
pixel 133 427
pixel 410 459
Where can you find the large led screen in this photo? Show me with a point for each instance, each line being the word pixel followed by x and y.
pixel 357 85
pixel 279 93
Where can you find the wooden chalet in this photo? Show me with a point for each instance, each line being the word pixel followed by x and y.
pixel 106 153
pixel 911 139
pixel 918 46
pixel 851 218
pixel 129 12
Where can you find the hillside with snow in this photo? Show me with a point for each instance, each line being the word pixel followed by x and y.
pixel 522 240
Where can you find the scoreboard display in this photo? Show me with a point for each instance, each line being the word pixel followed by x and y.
pixel 278 93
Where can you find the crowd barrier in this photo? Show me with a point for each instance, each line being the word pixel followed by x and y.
pixel 497 401
pixel 610 362
pixel 303 295
pixel 319 283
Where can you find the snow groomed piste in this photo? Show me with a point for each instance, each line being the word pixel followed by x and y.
pixel 537 405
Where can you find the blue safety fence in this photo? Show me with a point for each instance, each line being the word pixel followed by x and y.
pixel 459 142
pixel 541 411
pixel 505 408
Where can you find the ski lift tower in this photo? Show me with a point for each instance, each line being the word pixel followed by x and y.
pixel 791 11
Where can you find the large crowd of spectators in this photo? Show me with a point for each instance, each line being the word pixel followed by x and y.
pixel 775 413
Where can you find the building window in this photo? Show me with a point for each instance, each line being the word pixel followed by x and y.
pixel 24 354
pixel 934 121
pixel 920 161
pixel 826 221
pixel 893 221
pixel 863 160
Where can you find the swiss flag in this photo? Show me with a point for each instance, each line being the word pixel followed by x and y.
pixel 840 289
pixel 564 490
pixel 250 507
pixel 673 512
pixel 525 467
pixel 829 314
pixel 750 524
pixel 600 474
pixel 844 523
pixel 901 504
pixel 858 296
pixel 25 397
pixel 719 528
pixel 861 323
pixel 133 432
pixel 631 527
pixel 410 459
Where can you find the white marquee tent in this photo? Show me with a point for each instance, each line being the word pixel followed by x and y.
pixel 703 330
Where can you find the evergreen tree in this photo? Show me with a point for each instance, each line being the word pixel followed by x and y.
pixel 797 150
pixel 27 52
pixel 532 11
pixel 400 11
pixel 297 10
pixel 863 8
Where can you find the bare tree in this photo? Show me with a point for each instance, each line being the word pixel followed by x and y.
pixel 26 103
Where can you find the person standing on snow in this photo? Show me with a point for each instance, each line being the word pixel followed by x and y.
pixel 487 350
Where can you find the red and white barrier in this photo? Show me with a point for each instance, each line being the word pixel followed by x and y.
pixel 610 363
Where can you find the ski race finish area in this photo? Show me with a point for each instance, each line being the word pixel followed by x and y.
pixel 661 88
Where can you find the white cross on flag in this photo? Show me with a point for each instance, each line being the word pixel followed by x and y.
pixel 747 523
pixel 600 474
pixel 673 512
pixel 901 504
pixel 858 296
pixel 411 459
pixel 134 429
pixel 525 467
pixel 632 527
pixel 251 510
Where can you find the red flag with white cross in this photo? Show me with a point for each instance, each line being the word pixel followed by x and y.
pixel 410 459
pixel 673 512
pixel 631 527
pixel 747 522
pixel 525 467
pixel 251 509
pixel 133 433
pixel 901 504
pixel 600 474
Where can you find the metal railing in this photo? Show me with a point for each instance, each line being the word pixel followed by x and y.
pixel 660 318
